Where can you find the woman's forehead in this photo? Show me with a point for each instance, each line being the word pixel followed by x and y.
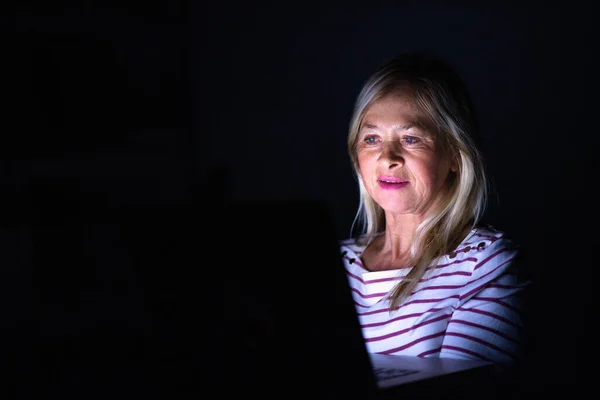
pixel 400 109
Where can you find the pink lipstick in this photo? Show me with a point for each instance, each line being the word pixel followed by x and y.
pixel 391 182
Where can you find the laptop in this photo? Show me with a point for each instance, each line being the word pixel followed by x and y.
pixel 181 300
pixel 288 324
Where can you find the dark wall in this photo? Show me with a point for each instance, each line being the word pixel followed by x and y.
pixel 138 104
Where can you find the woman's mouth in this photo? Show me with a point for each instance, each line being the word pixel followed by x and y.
pixel 392 183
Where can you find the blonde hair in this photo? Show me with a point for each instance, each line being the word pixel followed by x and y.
pixel 441 97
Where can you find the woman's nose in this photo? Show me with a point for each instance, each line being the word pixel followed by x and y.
pixel 391 153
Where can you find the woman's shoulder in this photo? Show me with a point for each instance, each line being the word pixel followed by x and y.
pixel 488 237
pixel 486 249
pixel 494 264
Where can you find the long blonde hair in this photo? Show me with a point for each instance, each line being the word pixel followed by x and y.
pixel 441 96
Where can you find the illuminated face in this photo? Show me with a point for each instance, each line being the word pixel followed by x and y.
pixel 402 163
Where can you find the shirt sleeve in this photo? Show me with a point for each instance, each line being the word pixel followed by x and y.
pixel 488 322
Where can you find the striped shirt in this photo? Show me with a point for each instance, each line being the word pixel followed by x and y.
pixel 465 307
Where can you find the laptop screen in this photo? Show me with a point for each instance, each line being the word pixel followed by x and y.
pixel 283 316
pixel 190 298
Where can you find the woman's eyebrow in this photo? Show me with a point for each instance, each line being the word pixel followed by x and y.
pixel 396 127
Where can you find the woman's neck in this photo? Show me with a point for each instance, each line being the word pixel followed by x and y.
pixel 392 249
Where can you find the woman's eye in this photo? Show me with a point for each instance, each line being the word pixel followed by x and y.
pixel 370 140
pixel 411 140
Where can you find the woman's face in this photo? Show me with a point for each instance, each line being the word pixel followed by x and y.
pixel 402 164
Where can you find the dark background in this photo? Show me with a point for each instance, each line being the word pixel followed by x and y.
pixel 172 104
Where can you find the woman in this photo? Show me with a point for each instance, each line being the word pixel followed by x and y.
pixel 428 279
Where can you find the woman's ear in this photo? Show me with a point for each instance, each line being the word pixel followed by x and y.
pixel 454 163
pixel 451 155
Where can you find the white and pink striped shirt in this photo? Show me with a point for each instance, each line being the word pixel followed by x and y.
pixel 465 307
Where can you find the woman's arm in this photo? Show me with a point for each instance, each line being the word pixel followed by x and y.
pixel 490 325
